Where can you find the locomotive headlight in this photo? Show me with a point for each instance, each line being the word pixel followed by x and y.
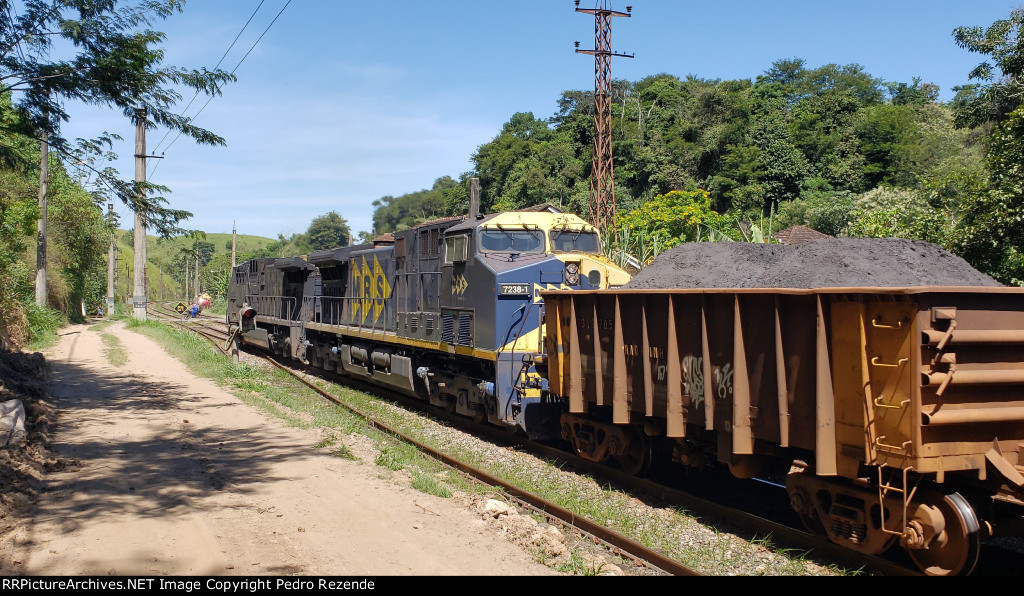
pixel 572 273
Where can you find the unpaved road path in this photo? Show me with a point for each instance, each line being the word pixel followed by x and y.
pixel 179 477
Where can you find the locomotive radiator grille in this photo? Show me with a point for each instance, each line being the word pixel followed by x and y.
pixel 465 329
pixel 447 327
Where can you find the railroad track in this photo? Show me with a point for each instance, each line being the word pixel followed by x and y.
pixel 620 544
pixel 783 534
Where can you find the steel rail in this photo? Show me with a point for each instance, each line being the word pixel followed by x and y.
pixel 624 545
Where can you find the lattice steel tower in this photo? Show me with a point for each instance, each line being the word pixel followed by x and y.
pixel 602 179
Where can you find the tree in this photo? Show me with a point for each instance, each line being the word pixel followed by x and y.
pixel 990 234
pixel 504 164
pixel 328 231
pixel 1000 88
pixel 674 218
pixel 110 58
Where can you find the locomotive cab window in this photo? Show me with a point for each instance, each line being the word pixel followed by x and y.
pixel 575 240
pixel 517 241
pixel 456 249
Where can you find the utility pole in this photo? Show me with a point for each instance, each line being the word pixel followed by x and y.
pixel 602 177
pixel 139 291
pixel 44 180
pixel 117 269
pixel 233 233
pixel 195 286
pixel 111 257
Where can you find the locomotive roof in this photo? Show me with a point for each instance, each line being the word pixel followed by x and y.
pixel 291 263
pixel 335 254
pixel 438 221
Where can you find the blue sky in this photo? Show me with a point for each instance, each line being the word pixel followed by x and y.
pixel 341 103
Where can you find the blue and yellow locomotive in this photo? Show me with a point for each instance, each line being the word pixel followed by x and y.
pixel 449 311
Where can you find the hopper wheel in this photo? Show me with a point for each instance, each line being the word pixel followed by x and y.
pixel 639 455
pixel 952 532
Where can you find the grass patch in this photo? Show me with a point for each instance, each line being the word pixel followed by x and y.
pixel 43 323
pixel 344 453
pixel 113 349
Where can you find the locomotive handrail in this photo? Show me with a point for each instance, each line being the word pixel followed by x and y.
pixel 272 306
pixel 309 309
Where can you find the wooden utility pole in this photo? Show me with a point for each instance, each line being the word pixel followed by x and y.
pixel 111 258
pixel 139 285
pixel 44 180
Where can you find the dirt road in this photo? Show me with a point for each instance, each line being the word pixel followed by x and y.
pixel 179 477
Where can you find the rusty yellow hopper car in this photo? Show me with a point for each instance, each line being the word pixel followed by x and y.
pixel 895 415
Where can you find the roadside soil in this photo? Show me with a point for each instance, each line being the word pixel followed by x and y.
pixel 145 469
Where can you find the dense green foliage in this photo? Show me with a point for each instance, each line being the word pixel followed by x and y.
pixel 55 54
pixel 99 52
pixel 830 147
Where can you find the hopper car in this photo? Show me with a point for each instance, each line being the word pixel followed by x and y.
pixel 895 416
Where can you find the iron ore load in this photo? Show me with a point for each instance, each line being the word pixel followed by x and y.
pixel 881 378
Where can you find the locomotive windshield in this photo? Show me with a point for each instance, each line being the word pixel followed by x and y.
pixel 575 240
pixel 506 240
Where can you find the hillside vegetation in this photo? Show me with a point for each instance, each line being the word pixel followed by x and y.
pixel 830 147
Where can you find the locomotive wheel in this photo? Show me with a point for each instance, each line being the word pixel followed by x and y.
pixel 639 455
pixel 955 548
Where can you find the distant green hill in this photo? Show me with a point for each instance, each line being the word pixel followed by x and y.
pixel 164 280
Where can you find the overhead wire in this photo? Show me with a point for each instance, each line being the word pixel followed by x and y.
pixel 232 70
pixel 219 62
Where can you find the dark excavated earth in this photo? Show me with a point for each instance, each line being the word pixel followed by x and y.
pixel 826 263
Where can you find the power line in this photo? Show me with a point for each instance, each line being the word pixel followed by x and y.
pixel 233 70
pixel 246 25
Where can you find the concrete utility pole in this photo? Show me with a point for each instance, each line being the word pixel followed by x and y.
pixel 139 285
pixel 44 180
pixel 602 176
pixel 233 233
pixel 111 257
pixel 195 286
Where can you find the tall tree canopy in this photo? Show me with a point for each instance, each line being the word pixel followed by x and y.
pixel 99 52
pixel 327 231
pixel 831 147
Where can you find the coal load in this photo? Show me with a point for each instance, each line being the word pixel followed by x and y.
pixel 826 263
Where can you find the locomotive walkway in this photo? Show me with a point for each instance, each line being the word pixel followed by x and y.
pixel 178 477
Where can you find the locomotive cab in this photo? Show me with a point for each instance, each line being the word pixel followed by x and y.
pixel 492 272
